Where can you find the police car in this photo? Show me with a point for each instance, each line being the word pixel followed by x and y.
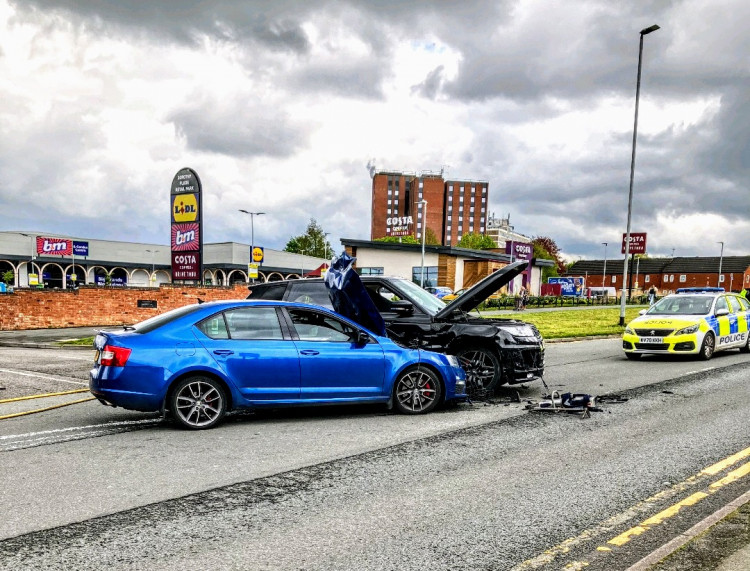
pixel 696 321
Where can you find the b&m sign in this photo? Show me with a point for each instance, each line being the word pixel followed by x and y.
pixel 186 217
pixel 53 246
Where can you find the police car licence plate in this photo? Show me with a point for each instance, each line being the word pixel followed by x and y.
pixel 652 340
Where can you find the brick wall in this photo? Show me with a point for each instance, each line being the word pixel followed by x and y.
pixel 49 309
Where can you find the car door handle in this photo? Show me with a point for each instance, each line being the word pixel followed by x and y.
pixel 310 352
pixel 223 352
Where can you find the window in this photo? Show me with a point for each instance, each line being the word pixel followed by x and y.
pixel 721 303
pixel 647 279
pixel 314 326
pixel 683 278
pixel 734 303
pixel 309 293
pixel 214 327
pixel 253 323
pixel 371 271
pixel 614 278
pixel 744 303
pixel 721 278
pixel 272 292
pixel 430 275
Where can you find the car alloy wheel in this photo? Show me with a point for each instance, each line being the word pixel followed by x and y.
pixel 708 346
pixel 417 391
pixel 198 403
pixel 746 347
pixel 482 370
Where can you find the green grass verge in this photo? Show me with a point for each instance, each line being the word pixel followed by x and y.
pixel 577 323
pixel 78 342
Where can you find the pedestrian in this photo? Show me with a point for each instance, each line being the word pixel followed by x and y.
pixel 652 295
pixel 524 298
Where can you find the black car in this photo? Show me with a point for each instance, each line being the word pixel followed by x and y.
pixel 492 351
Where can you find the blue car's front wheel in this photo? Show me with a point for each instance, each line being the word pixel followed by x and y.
pixel 198 403
pixel 417 391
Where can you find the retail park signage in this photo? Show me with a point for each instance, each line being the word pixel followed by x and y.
pixel 53 246
pixel 399 225
pixel 186 226
pixel 637 243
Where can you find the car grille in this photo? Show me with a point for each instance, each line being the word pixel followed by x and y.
pixel 652 346
pixel 528 361
pixel 653 332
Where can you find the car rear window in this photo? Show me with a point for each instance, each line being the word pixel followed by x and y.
pixel 310 292
pixel 160 320
pixel 273 292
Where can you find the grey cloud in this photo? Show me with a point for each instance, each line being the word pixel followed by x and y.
pixel 431 85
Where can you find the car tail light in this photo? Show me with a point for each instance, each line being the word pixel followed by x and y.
pixel 115 356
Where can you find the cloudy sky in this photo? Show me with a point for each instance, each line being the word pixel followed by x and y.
pixel 280 106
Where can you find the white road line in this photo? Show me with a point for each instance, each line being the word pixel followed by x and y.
pixel 72 428
pixel 43 376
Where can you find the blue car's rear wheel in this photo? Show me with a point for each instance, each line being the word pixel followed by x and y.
pixel 198 403
pixel 417 391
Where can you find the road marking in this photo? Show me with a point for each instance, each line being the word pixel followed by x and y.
pixel 17 414
pixel 29 397
pixel 643 506
pixel 42 376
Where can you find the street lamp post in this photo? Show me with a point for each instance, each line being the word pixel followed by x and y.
pixel 325 245
pixel 604 277
pixel 424 233
pixel 632 172
pixel 252 231
pixel 721 259
pixel 153 268
pixel 30 270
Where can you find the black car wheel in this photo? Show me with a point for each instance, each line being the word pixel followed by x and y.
pixel 746 347
pixel 198 403
pixel 708 346
pixel 483 370
pixel 417 391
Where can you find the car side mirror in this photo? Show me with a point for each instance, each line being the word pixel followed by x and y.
pixel 720 312
pixel 361 338
pixel 643 312
pixel 402 307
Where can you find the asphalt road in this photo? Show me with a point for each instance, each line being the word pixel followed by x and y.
pixel 489 486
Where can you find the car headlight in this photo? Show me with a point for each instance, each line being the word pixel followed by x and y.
pixel 688 330
pixel 453 360
pixel 628 330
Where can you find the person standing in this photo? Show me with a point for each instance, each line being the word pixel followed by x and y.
pixel 651 295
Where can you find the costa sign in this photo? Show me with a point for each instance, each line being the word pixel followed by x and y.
pixel 53 246
pixel 637 243
pixel 186 216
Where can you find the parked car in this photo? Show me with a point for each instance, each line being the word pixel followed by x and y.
pixel 440 291
pixel 451 296
pixel 492 351
pixel 692 321
pixel 201 361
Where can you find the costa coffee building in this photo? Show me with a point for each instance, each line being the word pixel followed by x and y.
pixel 454 207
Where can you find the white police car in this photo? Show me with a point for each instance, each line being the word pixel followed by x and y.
pixel 695 321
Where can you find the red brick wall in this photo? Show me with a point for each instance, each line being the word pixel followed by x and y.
pixel 43 309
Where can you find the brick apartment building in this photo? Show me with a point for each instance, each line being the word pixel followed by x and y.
pixel 454 207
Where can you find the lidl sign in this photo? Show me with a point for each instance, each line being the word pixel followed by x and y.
pixel 257 255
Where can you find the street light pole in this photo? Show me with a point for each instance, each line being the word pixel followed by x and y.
pixel 604 277
pixel 325 244
pixel 424 233
pixel 632 173
pixel 153 268
pixel 30 269
pixel 252 231
pixel 721 259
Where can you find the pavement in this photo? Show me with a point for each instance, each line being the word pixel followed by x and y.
pixel 720 542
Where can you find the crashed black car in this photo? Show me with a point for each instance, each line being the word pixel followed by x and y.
pixel 493 352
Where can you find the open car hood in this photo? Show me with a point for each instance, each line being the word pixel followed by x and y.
pixel 480 291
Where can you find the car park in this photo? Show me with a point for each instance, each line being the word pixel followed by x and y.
pixel 692 321
pixel 201 361
pixel 493 352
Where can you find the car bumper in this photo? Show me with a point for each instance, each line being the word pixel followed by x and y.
pixel 674 344
pixel 112 387
pixel 521 365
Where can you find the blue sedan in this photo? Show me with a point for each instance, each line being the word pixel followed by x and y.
pixel 200 361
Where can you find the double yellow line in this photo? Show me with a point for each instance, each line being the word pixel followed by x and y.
pixel 45 395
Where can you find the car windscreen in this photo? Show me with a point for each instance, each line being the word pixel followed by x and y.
pixel 682 305
pixel 425 299
pixel 158 320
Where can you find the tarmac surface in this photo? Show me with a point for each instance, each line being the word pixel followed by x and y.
pixel 720 542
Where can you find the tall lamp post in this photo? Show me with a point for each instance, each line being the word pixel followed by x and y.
pixel 632 172
pixel 252 231
pixel 325 244
pixel 153 278
pixel 424 233
pixel 721 259
pixel 604 277
pixel 30 270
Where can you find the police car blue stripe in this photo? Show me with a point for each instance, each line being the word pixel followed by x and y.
pixel 733 325
pixel 713 323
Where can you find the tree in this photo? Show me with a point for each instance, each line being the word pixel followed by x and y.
pixel 8 277
pixel 312 243
pixel 400 239
pixel 429 238
pixel 545 248
pixel 474 241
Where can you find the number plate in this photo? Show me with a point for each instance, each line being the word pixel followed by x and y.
pixel 652 340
